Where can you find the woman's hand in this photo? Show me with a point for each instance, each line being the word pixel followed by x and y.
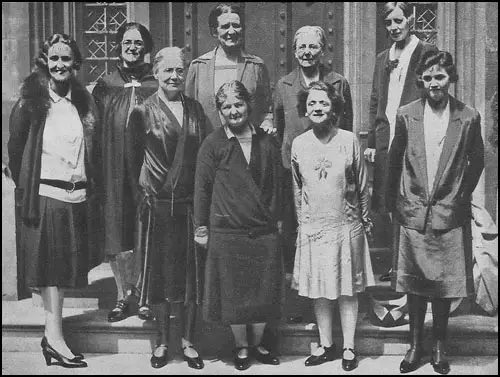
pixel 268 127
pixel 369 154
pixel 201 236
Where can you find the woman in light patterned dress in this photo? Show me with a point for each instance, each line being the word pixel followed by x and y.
pixel 332 202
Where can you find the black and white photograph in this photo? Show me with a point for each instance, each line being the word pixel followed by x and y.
pixel 247 188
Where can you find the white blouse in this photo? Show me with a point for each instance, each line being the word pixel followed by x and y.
pixel 435 126
pixel 397 80
pixel 63 150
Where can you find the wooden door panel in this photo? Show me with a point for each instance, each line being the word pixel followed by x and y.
pixel 262 37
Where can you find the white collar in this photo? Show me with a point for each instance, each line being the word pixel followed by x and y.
pixel 56 97
pixel 407 51
pixel 230 133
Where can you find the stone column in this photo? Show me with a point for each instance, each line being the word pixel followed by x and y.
pixel 471 32
pixel 15 67
pixel 359 57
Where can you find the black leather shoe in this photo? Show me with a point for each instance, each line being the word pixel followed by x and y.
pixel 349 365
pixel 120 311
pixel 386 276
pixel 50 353
pixel 159 361
pixel 145 313
pixel 328 355
pixel 193 362
pixel 413 364
pixel 241 363
pixel 439 362
pixel 265 358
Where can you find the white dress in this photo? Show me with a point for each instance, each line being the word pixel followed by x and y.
pixel 331 196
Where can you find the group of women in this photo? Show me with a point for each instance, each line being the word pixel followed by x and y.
pixel 198 172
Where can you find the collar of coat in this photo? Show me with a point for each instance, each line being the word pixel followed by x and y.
pixel 293 78
pixel 205 58
pixel 36 99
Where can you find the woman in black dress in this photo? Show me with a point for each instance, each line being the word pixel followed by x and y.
pixel 163 138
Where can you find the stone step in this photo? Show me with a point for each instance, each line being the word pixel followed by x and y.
pixel 88 331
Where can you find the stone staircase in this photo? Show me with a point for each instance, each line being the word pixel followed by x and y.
pixel 87 330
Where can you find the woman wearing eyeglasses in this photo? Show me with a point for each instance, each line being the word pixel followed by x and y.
pixel 116 94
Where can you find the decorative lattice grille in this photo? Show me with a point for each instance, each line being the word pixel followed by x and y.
pixel 425 15
pixel 101 22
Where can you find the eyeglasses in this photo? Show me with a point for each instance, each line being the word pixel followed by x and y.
pixel 129 43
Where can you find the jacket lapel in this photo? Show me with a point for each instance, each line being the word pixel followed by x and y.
pixel 385 80
pixel 418 143
pixel 450 142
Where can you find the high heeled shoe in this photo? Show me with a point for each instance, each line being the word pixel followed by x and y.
pixel 159 361
pixel 50 353
pixel 328 355
pixel 193 362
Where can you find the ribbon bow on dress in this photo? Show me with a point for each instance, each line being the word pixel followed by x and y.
pixel 391 64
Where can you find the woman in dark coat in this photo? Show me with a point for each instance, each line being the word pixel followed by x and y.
pixel 116 94
pixel 393 86
pixel 237 211
pixel 52 130
pixel 163 138
pixel 435 162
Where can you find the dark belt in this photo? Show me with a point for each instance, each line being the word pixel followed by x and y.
pixel 68 186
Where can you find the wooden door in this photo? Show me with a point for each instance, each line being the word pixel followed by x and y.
pixel 269 30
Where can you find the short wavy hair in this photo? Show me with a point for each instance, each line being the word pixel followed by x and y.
pixel 430 58
pixel 166 52
pixel 42 59
pixel 238 89
pixel 331 92
pixel 390 6
pixel 145 34
pixel 318 30
pixel 214 14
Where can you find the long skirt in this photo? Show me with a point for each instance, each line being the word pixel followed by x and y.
pixel 434 263
pixel 171 262
pixel 56 250
pixel 243 279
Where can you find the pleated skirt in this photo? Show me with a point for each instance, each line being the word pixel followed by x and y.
pixel 56 251
pixel 244 279
pixel 434 263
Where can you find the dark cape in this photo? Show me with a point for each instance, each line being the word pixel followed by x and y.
pixel 115 95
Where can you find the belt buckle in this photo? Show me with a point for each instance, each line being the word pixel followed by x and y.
pixel 72 189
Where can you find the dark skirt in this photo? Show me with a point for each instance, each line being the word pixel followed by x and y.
pixel 243 279
pixel 172 259
pixel 434 263
pixel 56 250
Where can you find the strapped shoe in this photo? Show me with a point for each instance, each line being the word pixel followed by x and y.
pixel 119 312
pixel 145 313
pixel 328 355
pixel 264 358
pixel 193 362
pixel 241 363
pixel 349 365
pixel 159 361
